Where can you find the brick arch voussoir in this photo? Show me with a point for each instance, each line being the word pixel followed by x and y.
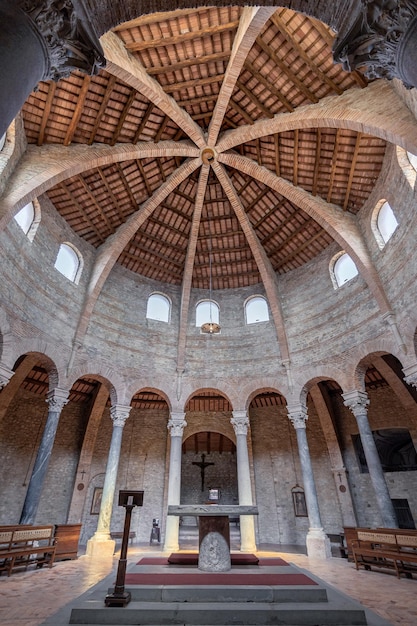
pixel 164 394
pixel 256 387
pixel 223 389
pixel 49 357
pixel 112 380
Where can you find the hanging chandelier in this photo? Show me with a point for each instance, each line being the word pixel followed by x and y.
pixel 210 327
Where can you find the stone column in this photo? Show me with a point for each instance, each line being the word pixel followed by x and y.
pixel 240 423
pixel 57 399
pixel 176 427
pixel 42 40
pixel 101 544
pixel 318 544
pixel 357 402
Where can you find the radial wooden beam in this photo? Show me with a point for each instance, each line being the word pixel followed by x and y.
pixel 363 110
pixel 342 226
pixel 266 270
pixel 125 66
pixel 110 251
pixel 41 168
pixel 189 264
pixel 251 23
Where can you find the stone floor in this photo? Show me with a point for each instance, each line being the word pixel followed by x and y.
pixel 29 598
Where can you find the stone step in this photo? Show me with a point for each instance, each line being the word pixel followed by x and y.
pixel 219 614
pixel 229 593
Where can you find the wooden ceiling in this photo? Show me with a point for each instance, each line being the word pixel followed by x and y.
pixel 182 60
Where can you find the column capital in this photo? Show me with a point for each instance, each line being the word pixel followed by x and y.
pixel 176 424
pixel 410 375
pixel 57 398
pixel 357 401
pixel 67 35
pixel 119 414
pixel 240 422
pixel 297 414
pixel 5 375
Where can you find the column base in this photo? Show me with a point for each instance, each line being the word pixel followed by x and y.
pixel 318 544
pixel 100 547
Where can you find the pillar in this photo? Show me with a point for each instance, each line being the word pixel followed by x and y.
pixel 357 402
pixel 240 423
pixel 318 544
pixel 57 399
pixel 40 41
pixel 101 544
pixel 5 376
pixel 176 427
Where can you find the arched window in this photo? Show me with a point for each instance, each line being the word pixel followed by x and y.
pixel 25 217
pixel 69 262
pixel 158 308
pixel 207 311
pixel 413 159
pixel 343 270
pixel 29 218
pixel 256 310
pixel 386 222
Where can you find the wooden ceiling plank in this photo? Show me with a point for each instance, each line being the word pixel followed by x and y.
pixel 277 155
pixel 80 209
pixel 103 107
pixel 154 266
pixel 46 112
pixel 143 123
pixel 144 177
pixel 241 111
pixel 123 116
pixel 317 162
pixel 198 100
pixel 161 129
pixel 172 246
pixel 157 18
pixel 144 250
pixel 208 31
pixel 265 110
pixel 352 170
pixel 180 65
pixel 279 23
pixel 258 151
pixel 115 202
pixel 334 166
pixel 286 70
pixel 78 111
pixel 289 257
pixel 98 206
pixel 126 186
pixel 194 82
pixel 274 91
pixel 296 149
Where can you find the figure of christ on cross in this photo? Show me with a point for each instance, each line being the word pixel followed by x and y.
pixel 202 465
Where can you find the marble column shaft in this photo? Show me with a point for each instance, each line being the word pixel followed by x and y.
pixel 119 414
pixel 57 398
pixel 357 402
pixel 298 418
pixel 240 423
pixel 176 427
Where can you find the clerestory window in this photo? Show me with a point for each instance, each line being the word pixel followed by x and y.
pixel 342 269
pixel 158 308
pixel 69 262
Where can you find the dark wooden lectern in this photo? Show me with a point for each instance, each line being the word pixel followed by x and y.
pixel 120 597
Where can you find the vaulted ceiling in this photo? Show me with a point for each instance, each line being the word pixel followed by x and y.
pixel 185 86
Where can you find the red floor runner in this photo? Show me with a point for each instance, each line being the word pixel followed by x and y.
pixel 192 559
pixel 212 578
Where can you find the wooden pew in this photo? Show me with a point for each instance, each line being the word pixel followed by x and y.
pixel 21 546
pixel 386 548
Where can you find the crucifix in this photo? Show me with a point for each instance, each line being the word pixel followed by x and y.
pixel 202 465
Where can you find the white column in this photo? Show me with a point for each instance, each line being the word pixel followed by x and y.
pixel 318 544
pixel 101 543
pixel 240 423
pixel 358 401
pixel 5 375
pixel 176 427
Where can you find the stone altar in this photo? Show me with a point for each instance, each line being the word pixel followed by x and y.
pixel 213 528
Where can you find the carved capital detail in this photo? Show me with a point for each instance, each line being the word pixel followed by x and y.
pixel 68 36
pixel 119 414
pixel 357 401
pixel 297 414
pixel 378 39
pixel 176 424
pixel 57 399
pixel 240 422
pixel 410 375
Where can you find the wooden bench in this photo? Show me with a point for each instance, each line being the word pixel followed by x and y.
pixel 21 546
pixel 386 549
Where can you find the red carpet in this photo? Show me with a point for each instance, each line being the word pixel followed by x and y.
pixel 212 578
pixel 192 559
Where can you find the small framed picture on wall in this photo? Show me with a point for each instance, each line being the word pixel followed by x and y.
pixel 96 501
